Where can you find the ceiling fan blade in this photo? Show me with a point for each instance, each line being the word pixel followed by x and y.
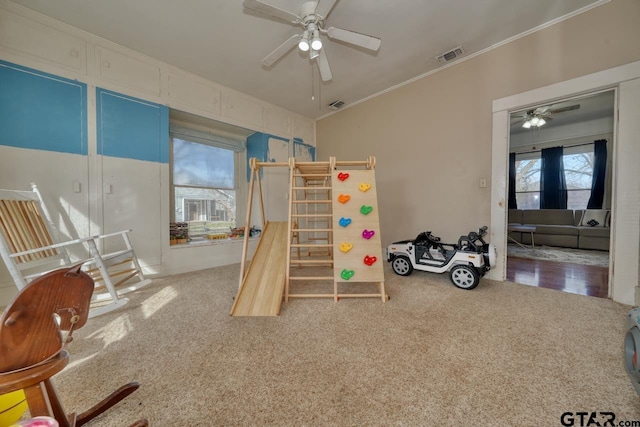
pixel 324 7
pixel 567 108
pixel 281 50
pixel 542 110
pixel 273 11
pixel 362 40
pixel 323 66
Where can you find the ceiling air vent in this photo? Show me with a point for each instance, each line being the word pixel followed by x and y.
pixel 336 105
pixel 451 55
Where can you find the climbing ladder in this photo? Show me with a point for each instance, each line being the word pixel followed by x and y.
pixel 310 226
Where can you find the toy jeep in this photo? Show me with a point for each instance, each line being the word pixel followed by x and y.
pixel 466 261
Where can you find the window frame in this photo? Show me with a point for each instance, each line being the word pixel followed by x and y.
pixel 569 150
pixel 172 185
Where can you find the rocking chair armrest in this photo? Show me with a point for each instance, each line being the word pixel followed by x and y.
pixel 117 233
pixel 54 246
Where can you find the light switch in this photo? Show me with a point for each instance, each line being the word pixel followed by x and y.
pixel 76 187
pixel 483 182
pixel 107 189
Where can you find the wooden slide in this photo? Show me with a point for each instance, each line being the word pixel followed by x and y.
pixel 261 291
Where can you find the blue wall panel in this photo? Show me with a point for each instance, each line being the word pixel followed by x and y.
pixel 303 151
pixel 42 111
pixel 258 147
pixel 132 128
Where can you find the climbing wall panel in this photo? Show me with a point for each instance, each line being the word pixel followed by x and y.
pixel 356 227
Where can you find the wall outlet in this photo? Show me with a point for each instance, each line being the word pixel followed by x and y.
pixel 483 182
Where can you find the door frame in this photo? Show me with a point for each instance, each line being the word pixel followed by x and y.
pixel 625 228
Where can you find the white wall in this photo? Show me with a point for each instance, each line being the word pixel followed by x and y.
pixel 74 54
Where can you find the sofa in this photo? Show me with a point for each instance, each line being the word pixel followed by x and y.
pixel 582 228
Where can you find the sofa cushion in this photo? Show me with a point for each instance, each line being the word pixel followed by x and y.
pixel 515 216
pixel 594 232
pixel 567 230
pixel 548 216
pixel 595 218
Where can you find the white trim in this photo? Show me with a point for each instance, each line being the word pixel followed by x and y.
pixel 623 276
pixel 473 55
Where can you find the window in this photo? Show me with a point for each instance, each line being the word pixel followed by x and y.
pixel 204 186
pixel 578 171
pixel 528 181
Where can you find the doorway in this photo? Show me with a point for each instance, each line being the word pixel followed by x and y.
pixel 569 255
pixel 625 224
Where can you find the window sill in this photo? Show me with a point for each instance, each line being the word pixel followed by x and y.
pixel 209 242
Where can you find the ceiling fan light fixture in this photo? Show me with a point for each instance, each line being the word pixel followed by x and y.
pixel 303 44
pixel 541 122
pixel 527 124
pixel 534 120
pixel 316 43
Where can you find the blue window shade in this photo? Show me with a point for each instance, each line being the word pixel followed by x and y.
pixel 41 111
pixel 132 128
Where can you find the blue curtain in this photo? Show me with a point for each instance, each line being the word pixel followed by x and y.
pixel 513 204
pixel 553 187
pixel 599 173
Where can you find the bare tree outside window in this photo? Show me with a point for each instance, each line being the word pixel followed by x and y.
pixel 578 169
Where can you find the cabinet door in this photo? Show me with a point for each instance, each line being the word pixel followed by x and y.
pixel 133 142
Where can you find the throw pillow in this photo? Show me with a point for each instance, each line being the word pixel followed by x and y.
pixel 595 218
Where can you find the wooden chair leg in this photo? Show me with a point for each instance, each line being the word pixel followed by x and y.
pixel 38 400
pixel 56 406
pixel 107 403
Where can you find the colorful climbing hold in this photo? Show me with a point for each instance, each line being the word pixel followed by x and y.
pixel 366 210
pixel 344 221
pixel 364 186
pixel 367 234
pixel 343 176
pixel 369 260
pixel 344 198
pixel 347 274
pixel 345 247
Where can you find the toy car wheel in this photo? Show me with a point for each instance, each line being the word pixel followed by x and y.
pixel 464 277
pixel 402 266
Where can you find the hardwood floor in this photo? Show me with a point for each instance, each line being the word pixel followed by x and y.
pixel 574 278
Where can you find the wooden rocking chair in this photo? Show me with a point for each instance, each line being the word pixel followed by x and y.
pixel 32 347
pixel 30 247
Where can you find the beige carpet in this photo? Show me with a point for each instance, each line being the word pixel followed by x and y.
pixel 503 354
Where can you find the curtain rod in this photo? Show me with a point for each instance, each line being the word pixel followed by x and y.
pixel 569 146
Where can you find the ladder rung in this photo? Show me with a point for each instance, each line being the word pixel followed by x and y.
pixel 323 230
pixel 311 245
pixel 313 201
pixel 311 261
pixel 304 175
pixel 311 278
pixel 313 187
pixel 311 215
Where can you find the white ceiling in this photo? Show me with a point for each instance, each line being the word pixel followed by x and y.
pixel 590 108
pixel 221 41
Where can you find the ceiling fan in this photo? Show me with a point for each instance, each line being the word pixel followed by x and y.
pixel 311 17
pixel 541 115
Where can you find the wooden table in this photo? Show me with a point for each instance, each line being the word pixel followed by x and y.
pixel 522 229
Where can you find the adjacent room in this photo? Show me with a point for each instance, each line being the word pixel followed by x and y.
pixel 572 253
pixel 209 199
